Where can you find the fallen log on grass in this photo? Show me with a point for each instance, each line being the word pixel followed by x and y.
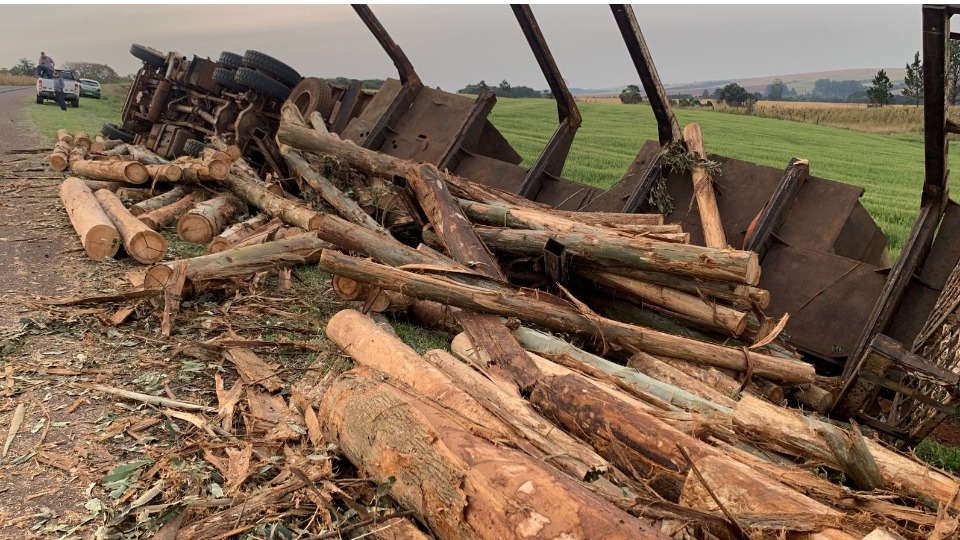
pixel 208 218
pixel 59 158
pixel 82 140
pixel 63 135
pixel 166 215
pixel 97 233
pixel 257 194
pixel 143 244
pixel 159 201
pixel 99 147
pixel 236 232
pixel 132 172
pixel 165 173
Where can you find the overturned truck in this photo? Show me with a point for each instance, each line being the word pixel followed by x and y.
pixel 883 337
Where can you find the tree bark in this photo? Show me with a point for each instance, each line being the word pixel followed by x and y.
pixel 713 234
pixel 565 319
pixel 77 153
pixel 94 185
pixel 662 371
pixel 257 195
pixel 165 173
pixel 614 250
pixel 97 233
pixel 236 233
pixel 130 195
pixel 81 139
pixel 63 135
pixel 165 215
pixel 59 159
pixel 207 219
pixel 141 243
pixel 159 201
pixel 145 156
pixel 460 485
pixel 132 172
pixel 737 294
pixel 100 147
pixel 194 172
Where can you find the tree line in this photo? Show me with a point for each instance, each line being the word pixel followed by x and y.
pixel 80 69
pixel 504 89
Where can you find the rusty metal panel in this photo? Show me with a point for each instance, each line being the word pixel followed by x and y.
pixel 359 127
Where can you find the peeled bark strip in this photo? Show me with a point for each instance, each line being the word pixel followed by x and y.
pixel 297 250
pixel 207 219
pixel 344 205
pixel 645 254
pixel 158 201
pixel 713 234
pixel 141 243
pixel 809 437
pixel 59 159
pixel 257 195
pixel 132 172
pixel 460 485
pixel 97 233
pixel 165 173
pixel 166 215
pixel 63 135
pixel 565 319
pixel 688 306
pixel 235 233
pixel 82 140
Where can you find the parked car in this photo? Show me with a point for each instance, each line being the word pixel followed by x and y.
pixel 71 88
pixel 89 88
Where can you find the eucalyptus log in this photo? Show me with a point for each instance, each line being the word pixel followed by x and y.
pixel 166 215
pixel 141 243
pixel 194 172
pixel 236 232
pixel 82 139
pixel 460 485
pixel 741 295
pixel 546 220
pixel 99 147
pixel 165 173
pixel 77 153
pixel 645 254
pixel 208 218
pixel 63 135
pixel 97 233
pixel 130 195
pixel 94 185
pixel 257 195
pixel 145 156
pixel 722 380
pixel 808 437
pixel 613 220
pixel 659 370
pixel 688 306
pixel 233 263
pixel 565 319
pixel 118 150
pixel 158 201
pixel 211 154
pixel 59 159
pixel 817 398
pixel 132 172
pixel 710 221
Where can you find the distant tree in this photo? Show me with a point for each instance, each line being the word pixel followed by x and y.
pixel 24 66
pixel 504 89
pixel 734 95
pixel 705 94
pixel 953 84
pixel 631 95
pixel 880 93
pixel 825 89
pixel 914 80
pixel 90 70
pixel 776 90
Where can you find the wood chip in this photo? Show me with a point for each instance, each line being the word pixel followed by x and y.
pixel 14 427
pixel 253 370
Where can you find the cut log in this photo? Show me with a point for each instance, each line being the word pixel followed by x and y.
pixel 460 485
pixel 292 213
pixel 59 159
pixel 344 205
pixel 78 153
pixel 208 218
pixel 722 380
pixel 565 319
pixel 144 245
pixel 194 172
pixel 713 235
pixel 63 135
pixel 613 220
pixel 81 139
pixel 118 150
pixel 145 156
pixel 236 232
pixel 298 250
pixel 737 294
pixel 94 185
pixel 211 154
pixel 132 172
pixel 614 250
pixel 99 147
pixel 816 398
pixel 662 371
pixel 158 201
pixel 808 437
pixel 687 306
pixel 131 195
pixel 97 233
pixel 165 173
pixel 166 215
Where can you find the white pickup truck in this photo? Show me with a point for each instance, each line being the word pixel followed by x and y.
pixel 71 89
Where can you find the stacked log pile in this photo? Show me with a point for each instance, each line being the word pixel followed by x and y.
pixel 659 415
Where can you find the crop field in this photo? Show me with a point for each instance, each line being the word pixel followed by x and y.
pixel 890 167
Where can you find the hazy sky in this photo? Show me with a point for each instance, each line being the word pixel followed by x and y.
pixel 451 46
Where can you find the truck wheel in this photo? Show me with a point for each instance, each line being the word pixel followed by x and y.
pixel 231 60
pixel 193 147
pixel 313 94
pixel 113 131
pixel 271 66
pixel 39 100
pixel 75 103
pixel 224 77
pixel 151 56
pixel 263 85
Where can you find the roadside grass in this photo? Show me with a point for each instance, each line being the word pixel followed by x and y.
pixel 7 79
pixel 938 455
pixel 889 167
pixel 91 114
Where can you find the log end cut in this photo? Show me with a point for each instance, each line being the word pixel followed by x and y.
pixel 101 242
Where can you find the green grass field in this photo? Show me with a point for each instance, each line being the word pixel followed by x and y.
pixel 89 116
pixel 889 167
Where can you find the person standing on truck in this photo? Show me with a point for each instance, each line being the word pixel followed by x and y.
pixel 46 66
pixel 58 90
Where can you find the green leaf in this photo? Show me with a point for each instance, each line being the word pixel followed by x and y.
pixel 215 490
pixel 120 472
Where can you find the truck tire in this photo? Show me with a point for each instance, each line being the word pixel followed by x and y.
pixel 39 100
pixel 193 147
pixel 313 94
pixel 150 56
pixel 263 85
pixel 224 77
pixel 113 131
pixel 231 60
pixel 75 103
pixel 272 67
